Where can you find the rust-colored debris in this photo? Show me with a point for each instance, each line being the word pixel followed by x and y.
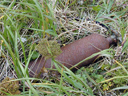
pixel 75 52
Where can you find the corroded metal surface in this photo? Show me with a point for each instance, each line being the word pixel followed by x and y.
pixel 75 52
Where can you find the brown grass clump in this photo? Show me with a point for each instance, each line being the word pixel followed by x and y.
pixel 9 87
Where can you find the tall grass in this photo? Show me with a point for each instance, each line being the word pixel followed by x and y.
pixel 14 17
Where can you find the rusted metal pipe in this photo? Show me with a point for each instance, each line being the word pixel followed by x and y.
pixel 75 52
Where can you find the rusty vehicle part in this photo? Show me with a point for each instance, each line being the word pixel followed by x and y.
pixel 75 52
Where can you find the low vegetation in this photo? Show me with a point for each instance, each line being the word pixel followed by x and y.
pixel 24 23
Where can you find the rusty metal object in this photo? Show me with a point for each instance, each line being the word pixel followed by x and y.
pixel 75 52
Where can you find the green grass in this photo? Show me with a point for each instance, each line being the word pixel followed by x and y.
pixel 31 21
